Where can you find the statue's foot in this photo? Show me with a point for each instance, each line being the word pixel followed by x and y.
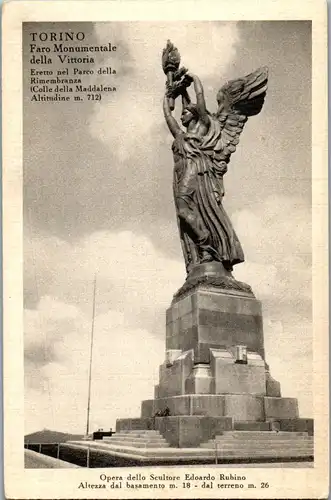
pixel 228 266
pixel 206 257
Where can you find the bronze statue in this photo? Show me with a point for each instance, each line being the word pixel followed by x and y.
pixel 201 155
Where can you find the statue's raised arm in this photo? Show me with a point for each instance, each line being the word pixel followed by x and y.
pixel 170 120
pixel 200 98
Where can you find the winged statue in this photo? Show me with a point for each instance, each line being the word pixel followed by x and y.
pixel 202 149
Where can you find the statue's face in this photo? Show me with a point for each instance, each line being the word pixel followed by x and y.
pixel 186 117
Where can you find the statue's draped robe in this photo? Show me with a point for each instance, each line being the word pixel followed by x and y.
pixel 205 156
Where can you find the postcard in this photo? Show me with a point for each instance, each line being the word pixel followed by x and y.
pixel 165 249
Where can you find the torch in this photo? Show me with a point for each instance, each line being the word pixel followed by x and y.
pixel 170 64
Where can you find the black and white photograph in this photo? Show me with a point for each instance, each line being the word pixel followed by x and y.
pixel 167 254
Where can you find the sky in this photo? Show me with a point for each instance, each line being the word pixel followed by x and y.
pixel 98 200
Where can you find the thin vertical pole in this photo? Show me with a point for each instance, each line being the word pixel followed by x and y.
pixel 90 369
pixel 216 457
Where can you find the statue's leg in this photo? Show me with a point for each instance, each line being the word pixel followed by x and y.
pixel 189 214
pixel 187 210
pixel 193 224
pixel 190 217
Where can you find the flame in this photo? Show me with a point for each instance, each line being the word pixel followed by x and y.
pixel 170 57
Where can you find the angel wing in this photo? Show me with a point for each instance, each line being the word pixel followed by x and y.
pixel 237 100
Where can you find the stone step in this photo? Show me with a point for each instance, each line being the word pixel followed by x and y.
pixel 147 436
pixel 246 445
pixel 184 454
pixel 258 449
pixel 227 454
pixel 238 444
pixel 129 450
pixel 134 438
pixel 265 453
pixel 239 448
pixel 118 447
pixel 261 444
pixel 143 432
pixel 266 441
pixel 243 435
pixel 142 444
pixel 146 452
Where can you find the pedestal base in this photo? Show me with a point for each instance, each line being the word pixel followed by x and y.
pixel 191 431
pixel 197 418
pixel 184 431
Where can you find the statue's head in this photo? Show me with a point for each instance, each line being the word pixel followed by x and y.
pixel 189 113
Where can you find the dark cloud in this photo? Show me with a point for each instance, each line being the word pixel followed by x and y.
pixel 39 355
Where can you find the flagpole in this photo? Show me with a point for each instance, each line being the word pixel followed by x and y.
pixel 90 368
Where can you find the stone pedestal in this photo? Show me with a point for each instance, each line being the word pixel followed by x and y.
pixel 209 319
pixel 215 377
pixel 204 332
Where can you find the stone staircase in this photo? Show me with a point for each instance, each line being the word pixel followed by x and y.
pixel 261 444
pixel 137 439
pixel 147 447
